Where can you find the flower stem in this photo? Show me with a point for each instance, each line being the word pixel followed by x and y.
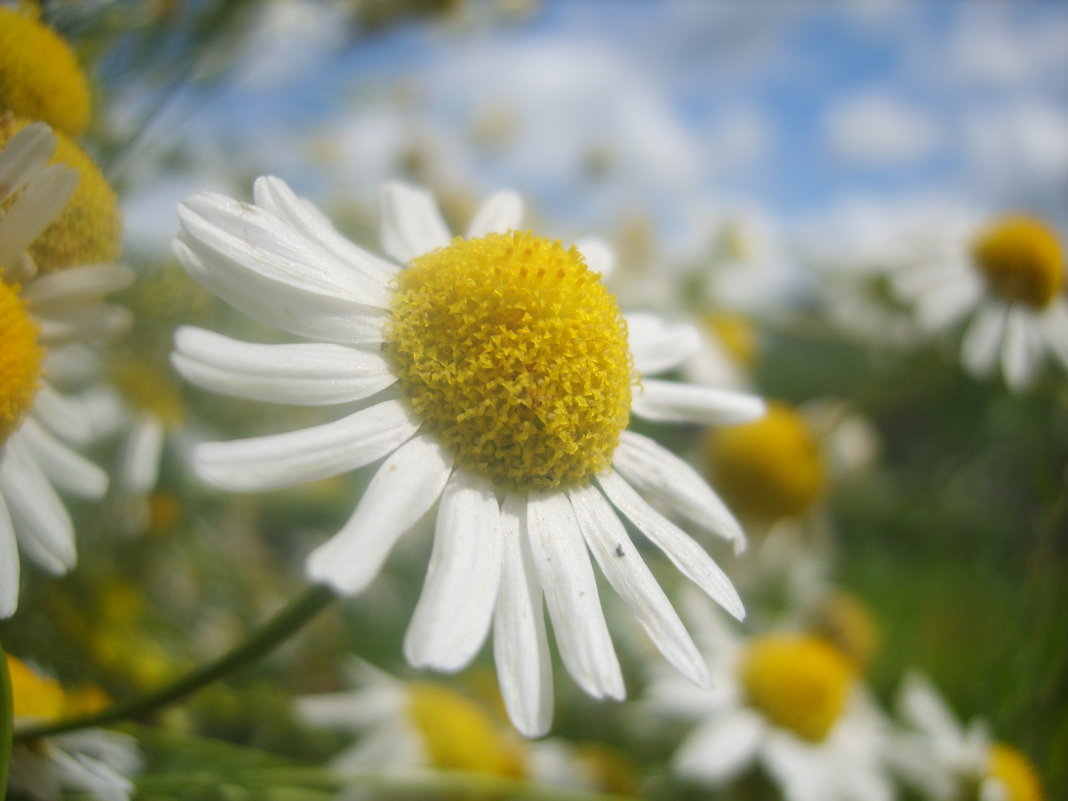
pixel 260 642
pixel 7 722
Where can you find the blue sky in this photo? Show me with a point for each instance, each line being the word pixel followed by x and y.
pixel 690 108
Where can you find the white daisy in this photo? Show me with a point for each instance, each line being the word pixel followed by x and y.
pixel 503 381
pixel 948 761
pixel 38 315
pixel 92 761
pixel 1007 279
pixel 788 702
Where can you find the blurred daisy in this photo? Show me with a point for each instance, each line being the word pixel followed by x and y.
pixel 786 701
pixel 508 381
pixel 92 761
pixel 38 315
pixel 403 725
pixel 413 724
pixel 1007 278
pixel 946 761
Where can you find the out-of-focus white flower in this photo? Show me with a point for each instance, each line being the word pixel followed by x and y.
pixel 40 313
pixel 1007 280
pixel 491 367
pixel 947 761
pixel 93 761
pixel 787 702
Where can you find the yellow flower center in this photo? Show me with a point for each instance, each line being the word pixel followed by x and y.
pixel 1016 773
pixel 89 230
pixel 458 734
pixel 20 360
pixel 39 75
pixel 735 334
pixel 770 468
pixel 799 682
pixel 515 356
pixel 1021 260
pixel 43 699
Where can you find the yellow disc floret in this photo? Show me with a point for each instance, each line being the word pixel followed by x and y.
pixel 39 75
pixel 515 356
pixel 799 682
pixel 846 623
pixel 89 230
pixel 20 360
pixel 1015 773
pixel 770 468
pixel 43 699
pixel 1021 260
pixel 735 334
pixel 459 735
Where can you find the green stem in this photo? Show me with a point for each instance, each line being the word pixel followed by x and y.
pixel 7 722
pixel 261 641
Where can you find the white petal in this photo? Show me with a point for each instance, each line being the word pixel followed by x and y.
pixel 942 306
pixel 282 460
pixel 563 565
pixel 274 195
pixel 1054 324
pixel 500 213
pixel 455 608
pixel 404 488
pixel 671 401
pixel 1021 350
pixel 266 246
pixel 410 223
pixel 42 525
pixel 982 340
pixel 76 285
pixel 65 468
pixel 598 255
pixel 721 747
pixel 651 468
pixel 83 323
pixel 690 558
pixel 38 205
pixel 95 778
pixel 919 704
pixel 520 645
pixel 800 769
pixel 139 464
pixel 24 156
pixel 628 574
pixel 278 301
pixel 307 374
pixel 658 345
pixel 9 564
pixel 62 415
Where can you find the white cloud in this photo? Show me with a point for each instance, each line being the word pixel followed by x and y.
pixel 879 130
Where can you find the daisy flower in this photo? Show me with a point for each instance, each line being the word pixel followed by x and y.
pixel 39 314
pixel 406 725
pixel 497 377
pixel 950 762
pixel 786 701
pixel 1007 280
pixel 92 761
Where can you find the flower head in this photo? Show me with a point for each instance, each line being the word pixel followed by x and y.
pixel 92 761
pixel 38 315
pixel 88 229
pixel 40 77
pixel 501 376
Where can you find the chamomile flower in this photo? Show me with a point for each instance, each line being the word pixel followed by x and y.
pixel 788 702
pixel 1007 280
pixel 38 314
pixel 950 762
pixel 413 724
pixel 498 381
pixel 40 77
pixel 92 761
